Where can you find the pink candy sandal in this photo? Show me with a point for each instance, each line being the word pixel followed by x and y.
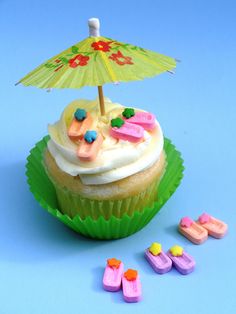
pixel 131 286
pixel 215 227
pixel 113 275
pixel 144 119
pixel 192 231
pixel 128 132
pixel 197 232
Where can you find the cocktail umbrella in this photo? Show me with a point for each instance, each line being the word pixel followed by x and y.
pixel 98 60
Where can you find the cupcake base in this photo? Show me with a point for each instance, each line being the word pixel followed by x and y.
pixel 100 227
pixel 117 198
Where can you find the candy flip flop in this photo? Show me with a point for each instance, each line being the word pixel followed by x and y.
pixel 90 146
pixel 192 231
pixel 182 261
pixel 215 227
pixel 80 124
pixel 158 259
pixel 144 119
pixel 113 275
pixel 131 286
pixel 126 131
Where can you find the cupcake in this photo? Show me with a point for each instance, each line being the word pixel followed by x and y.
pixel 104 173
pixel 105 166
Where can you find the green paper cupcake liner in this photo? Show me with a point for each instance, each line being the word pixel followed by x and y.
pixel 102 228
pixel 73 204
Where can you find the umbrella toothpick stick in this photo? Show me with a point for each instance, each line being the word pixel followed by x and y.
pixel 94 26
pixel 101 100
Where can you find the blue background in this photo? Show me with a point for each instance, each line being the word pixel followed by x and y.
pixel 47 268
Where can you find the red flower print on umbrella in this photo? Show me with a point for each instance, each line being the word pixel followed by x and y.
pixel 120 59
pixel 102 45
pixel 78 60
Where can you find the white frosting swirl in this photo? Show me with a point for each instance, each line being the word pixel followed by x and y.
pixel 117 159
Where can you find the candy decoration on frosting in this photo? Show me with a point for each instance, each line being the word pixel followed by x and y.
pixel 127 132
pixel 80 114
pixel 144 119
pixel 131 286
pixel 128 113
pixel 117 123
pixel 90 136
pixel 215 227
pixel 113 275
pixel 158 259
pixel 78 128
pixel 87 151
pixel 182 261
pixel 192 231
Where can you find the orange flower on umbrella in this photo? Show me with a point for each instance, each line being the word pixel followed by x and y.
pixel 120 59
pixel 78 60
pixel 102 45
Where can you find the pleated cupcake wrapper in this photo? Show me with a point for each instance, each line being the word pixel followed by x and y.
pixel 102 228
pixel 73 204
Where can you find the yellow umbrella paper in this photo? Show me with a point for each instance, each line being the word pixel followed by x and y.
pixel 98 60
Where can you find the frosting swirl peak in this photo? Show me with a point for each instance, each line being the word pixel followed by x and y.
pixel 117 159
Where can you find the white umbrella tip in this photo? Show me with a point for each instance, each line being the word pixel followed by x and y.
pixel 94 26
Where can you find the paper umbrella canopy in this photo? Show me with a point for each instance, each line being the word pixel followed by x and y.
pixel 98 60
